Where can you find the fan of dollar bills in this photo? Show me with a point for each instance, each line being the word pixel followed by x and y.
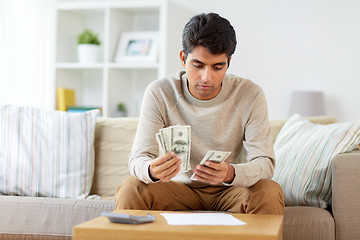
pixel 178 139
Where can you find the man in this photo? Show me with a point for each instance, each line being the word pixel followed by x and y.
pixel 225 112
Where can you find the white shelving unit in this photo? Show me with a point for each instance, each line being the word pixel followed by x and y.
pixel 107 83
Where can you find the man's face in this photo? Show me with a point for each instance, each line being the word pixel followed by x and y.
pixel 205 72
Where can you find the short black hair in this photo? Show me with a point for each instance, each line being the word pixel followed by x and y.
pixel 210 31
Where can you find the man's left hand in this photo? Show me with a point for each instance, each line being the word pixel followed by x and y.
pixel 214 173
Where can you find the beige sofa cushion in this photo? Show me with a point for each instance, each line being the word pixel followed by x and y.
pixel 113 141
pixel 308 223
pixel 276 125
pixel 24 218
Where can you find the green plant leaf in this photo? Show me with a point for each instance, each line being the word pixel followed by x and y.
pixel 88 37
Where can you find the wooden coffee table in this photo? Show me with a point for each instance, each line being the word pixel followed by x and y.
pixel 258 227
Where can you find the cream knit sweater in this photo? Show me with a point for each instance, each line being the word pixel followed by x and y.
pixel 236 118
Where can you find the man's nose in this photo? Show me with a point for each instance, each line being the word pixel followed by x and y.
pixel 206 74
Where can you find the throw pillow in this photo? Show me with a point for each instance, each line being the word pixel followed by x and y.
pixel 303 153
pixel 46 153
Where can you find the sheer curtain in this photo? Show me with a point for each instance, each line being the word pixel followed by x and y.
pixel 26 52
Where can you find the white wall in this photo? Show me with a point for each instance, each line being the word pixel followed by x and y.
pixel 26 52
pixel 286 45
pixel 283 45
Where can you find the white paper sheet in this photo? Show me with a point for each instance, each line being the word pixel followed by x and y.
pixel 201 219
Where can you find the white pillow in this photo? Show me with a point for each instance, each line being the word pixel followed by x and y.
pixel 303 153
pixel 46 153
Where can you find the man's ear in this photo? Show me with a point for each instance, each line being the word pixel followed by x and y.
pixel 182 58
pixel 229 60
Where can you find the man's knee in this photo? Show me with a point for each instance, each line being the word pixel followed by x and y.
pixel 269 187
pixel 128 186
pixel 127 195
pixel 269 195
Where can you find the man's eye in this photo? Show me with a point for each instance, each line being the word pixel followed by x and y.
pixel 197 66
pixel 218 68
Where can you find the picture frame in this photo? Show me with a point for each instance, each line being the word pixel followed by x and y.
pixel 138 47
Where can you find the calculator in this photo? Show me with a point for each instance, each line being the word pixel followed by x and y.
pixel 127 218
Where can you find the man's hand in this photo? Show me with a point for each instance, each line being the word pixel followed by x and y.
pixel 165 167
pixel 215 173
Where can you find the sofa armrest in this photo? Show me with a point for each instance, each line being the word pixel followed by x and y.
pixel 346 195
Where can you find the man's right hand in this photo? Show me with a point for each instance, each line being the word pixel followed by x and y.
pixel 165 167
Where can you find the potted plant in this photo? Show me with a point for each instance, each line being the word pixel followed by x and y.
pixel 121 110
pixel 88 47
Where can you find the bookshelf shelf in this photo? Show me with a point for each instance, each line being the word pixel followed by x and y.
pixel 107 83
pixel 79 66
pixel 134 65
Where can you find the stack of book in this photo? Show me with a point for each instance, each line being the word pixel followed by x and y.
pixel 65 101
pixel 80 109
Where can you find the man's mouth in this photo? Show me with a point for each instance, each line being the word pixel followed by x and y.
pixel 204 86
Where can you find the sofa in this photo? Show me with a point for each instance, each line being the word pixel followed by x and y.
pixel 24 217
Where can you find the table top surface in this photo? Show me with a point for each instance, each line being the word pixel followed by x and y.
pixel 256 227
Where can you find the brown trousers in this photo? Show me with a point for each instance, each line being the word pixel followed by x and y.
pixel 264 197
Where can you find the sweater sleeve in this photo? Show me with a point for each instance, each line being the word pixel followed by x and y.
pixel 258 145
pixel 145 147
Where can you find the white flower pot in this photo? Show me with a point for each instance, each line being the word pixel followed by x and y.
pixel 88 53
pixel 119 114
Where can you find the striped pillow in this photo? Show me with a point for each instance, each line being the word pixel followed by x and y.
pixel 303 152
pixel 46 153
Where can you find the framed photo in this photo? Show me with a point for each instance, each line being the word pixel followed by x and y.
pixel 138 47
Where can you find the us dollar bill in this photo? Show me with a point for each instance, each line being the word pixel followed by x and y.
pixel 177 139
pixel 214 156
pixel 161 144
pixel 181 145
pixel 165 134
